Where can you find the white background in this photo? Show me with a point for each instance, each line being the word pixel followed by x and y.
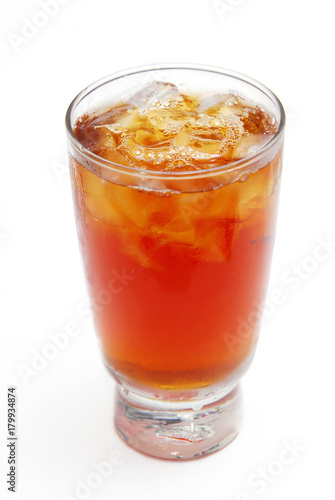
pixel 65 408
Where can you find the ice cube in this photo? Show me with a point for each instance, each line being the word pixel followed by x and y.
pixel 256 121
pixel 169 121
pixel 115 156
pixel 249 145
pixel 95 196
pixel 203 134
pixel 114 122
pixel 145 137
pixel 153 94
pixel 210 135
pixel 233 134
pixel 206 126
pixel 213 103
pixel 126 203
pixel 156 94
pixel 216 244
pixel 112 116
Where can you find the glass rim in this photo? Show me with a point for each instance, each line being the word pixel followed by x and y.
pixel 233 166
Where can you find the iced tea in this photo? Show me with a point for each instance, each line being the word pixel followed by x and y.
pixel 177 269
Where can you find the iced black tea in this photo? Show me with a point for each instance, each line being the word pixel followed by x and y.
pixel 177 270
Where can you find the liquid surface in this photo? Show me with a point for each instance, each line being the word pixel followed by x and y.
pixel 160 128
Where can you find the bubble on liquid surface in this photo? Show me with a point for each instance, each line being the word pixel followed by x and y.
pixel 244 177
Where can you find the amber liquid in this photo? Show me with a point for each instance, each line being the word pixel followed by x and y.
pixel 177 278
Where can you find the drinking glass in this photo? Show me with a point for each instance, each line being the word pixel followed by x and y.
pixel 177 264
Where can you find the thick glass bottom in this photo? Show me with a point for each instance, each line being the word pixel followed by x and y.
pixel 173 430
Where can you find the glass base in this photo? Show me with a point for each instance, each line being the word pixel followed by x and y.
pixel 173 430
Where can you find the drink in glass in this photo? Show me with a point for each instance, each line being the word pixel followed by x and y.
pixel 175 175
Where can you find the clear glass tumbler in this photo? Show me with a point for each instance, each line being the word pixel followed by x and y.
pixel 177 260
